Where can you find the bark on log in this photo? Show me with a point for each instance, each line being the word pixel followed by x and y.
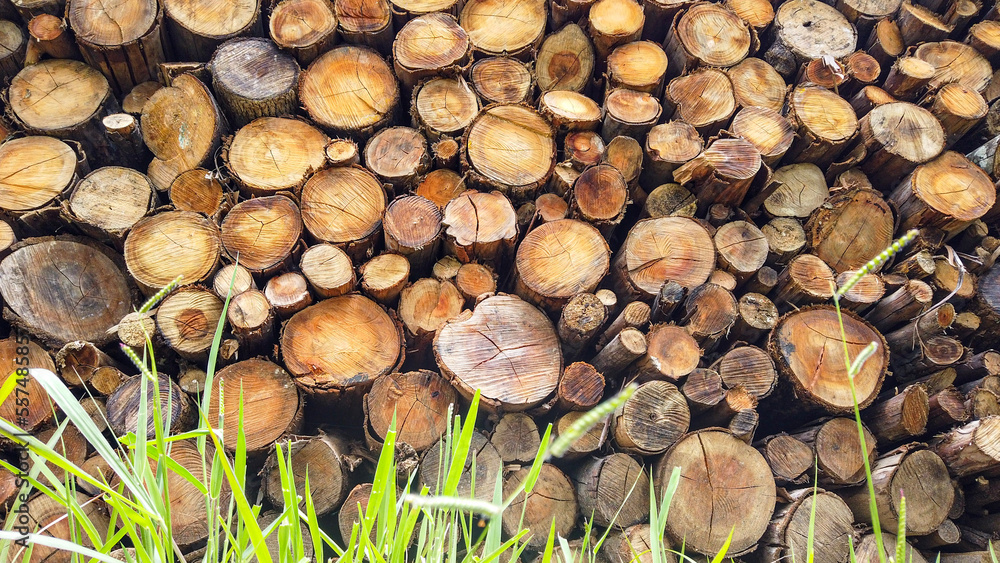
pixel 722 173
pixel 972 448
pixel 124 41
pixel 197 28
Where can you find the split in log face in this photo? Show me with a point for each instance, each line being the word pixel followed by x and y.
pixel 34 171
pixel 510 148
pixel 340 343
pixel 349 90
pixel 657 250
pixel 344 206
pixel 850 228
pixel 188 319
pixel 497 28
pixel 506 348
pixel 766 129
pixel 565 60
pixel 807 347
pixel 161 247
pixel 271 403
pixel 322 456
pixel 272 154
pixel 809 29
pixel 63 290
pixel 614 489
pixel 253 79
pixel 40 408
pixel 429 45
pixel 728 479
pixel 558 260
pixel 480 227
pixel 262 232
pixel 651 420
pixel 955 62
pixel 704 98
pixel 397 155
pixel 550 505
pixel 418 399
pixel 306 28
pixel 502 80
pixel 898 136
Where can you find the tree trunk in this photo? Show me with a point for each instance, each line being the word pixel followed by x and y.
pixel 412 226
pixel 635 315
pixel 478 479
pixel 805 280
pixel 550 505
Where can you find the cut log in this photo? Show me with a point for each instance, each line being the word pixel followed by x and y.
pixel 349 90
pixel 366 22
pixel 866 291
pixel 900 306
pixel 629 113
pixel 625 154
pixel 900 417
pixel 709 314
pixel 412 226
pixel 612 23
pixel 807 349
pixel 328 270
pixel 635 314
pixel 47 517
pixel 383 277
pixel 921 475
pixel 801 189
pixel 304 28
pixel 566 60
pixel 78 360
pixel 585 445
pixel 65 99
pixel 722 173
pixel 837 449
pixel 706 34
pixel 580 388
pixel 187 319
pixel 742 249
pixel 197 190
pixel 251 383
pixel 480 227
pixel 344 206
pixel 657 250
pixel 867 550
pixel 125 42
pixel 196 29
pixel 503 80
pixel 551 505
pixel 742 493
pixel 748 367
pixel 274 154
pixel 64 289
pixel 582 316
pixel 516 438
pixel 506 348
pixel 176 409
pixel 972 448
pixel 528 150
pixel 651 420
pixel 232 280
pixel 805 30
pixel 262 233
pixel 756 316
pixel 767 130
pixel 13 44
pixel 703 390
pixel 444 106
pixel 704 98
pixel 622 546
pixel 340 343
pixel 668 146
pixel 959 109
pixel 49 35
pixel 790 459
pixel 478 479
pixel 813 519
pixel 424 307
pixel 955 62
pixel 824 124
pixel 251 319
pixel 917 24
pixel 757 84
pixel 495 28
pixel 613 490
pixel 420 401
pixel 805 280
pixel 161 247
pixel 37 411
pixel 928 197
pixel 441 186
pixel 850 228
pixel 35 170
pixel 109 201
pixel 429 45
pixel 288 293
pixel 639 66
pixel 670 200
pixel 186 105
pixel 475 280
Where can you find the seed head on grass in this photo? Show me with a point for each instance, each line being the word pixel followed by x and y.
pixel 152 301
pixel 877 262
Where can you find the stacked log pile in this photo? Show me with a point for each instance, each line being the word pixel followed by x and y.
pixel 410 201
